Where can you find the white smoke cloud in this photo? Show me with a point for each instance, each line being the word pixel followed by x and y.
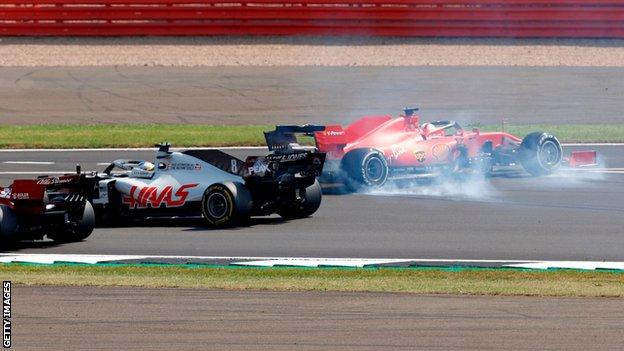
pixel 476 186
pixel 472 185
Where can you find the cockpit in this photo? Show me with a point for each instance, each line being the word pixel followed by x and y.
pixel 440 129
pixel 132 168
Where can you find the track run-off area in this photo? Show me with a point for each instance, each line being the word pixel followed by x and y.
pixel 319 95
pixel 573 215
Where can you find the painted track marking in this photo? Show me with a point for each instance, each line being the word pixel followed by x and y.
pixel 29 162
pixel 305 261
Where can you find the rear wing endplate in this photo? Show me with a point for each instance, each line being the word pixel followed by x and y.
pixel 583 159
pixel 285 136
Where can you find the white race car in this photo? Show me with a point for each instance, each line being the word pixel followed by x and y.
pixel 199 182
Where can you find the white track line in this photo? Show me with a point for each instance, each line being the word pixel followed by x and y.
pixel 34 172
pixel 28 162
pixel 589 265
pixel 303 261
pixel 593 144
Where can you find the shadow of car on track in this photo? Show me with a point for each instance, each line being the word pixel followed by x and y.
pixel 252 222
pixel 29 244
pixel 188 225
pixel 193 223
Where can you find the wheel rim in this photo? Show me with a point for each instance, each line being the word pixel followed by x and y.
pixel 374 169
pixel 217 205
pixel 549 154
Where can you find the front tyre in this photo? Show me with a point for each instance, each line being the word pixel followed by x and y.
pixel 540 153
pixel 365 168
pixel 78 229
pixel 310 202
pixel 226 204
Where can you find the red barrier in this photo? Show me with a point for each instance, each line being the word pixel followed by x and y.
pixel 491 18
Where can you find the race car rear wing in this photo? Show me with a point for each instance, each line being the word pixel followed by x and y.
pixel 331 139
pixel 335 137
pixel 284 138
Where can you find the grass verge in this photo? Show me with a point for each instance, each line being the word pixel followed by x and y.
pixel 410 280
pixel 145 135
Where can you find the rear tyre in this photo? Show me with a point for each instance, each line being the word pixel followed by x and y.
pixel 77 230
pixel 540 153
pixel 226 204
pixel 8 225
pixel 311 202
pixel 365 168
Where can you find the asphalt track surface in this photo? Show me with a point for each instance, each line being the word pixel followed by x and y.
pixel 575 216
pixel 270 95
pixel 97 318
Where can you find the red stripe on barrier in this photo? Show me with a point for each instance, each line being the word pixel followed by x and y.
pixel 496 18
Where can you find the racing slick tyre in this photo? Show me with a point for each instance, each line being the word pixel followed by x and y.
pixel 311 202
pixel 8 225
pixel 365 168
pixel 540 153
pixel 226 204
pixel 77 230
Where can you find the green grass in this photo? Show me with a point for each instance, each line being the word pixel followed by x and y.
pixel 420 281
pixel 129 135
pixel 145 135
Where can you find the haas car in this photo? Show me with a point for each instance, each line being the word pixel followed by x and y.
pixel 223 189
pixel 374 149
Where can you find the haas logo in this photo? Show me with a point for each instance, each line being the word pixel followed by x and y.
pixel 154 197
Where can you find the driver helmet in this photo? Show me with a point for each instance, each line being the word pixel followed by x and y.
pixel 147 166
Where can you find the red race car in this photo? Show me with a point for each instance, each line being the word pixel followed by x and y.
pixel 374 149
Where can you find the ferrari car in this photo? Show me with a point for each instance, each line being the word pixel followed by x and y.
pixel 222 189
pixel 374 149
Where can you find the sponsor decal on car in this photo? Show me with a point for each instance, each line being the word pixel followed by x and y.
pixel 154 197
pixel 141 173
pixel 184 166
pixel 420 156
pixel 287 157
pixel 259 168
pixel 20 196
pixel 397 151
pixel 53 180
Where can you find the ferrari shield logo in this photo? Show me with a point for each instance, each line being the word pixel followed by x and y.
pixel 420 156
